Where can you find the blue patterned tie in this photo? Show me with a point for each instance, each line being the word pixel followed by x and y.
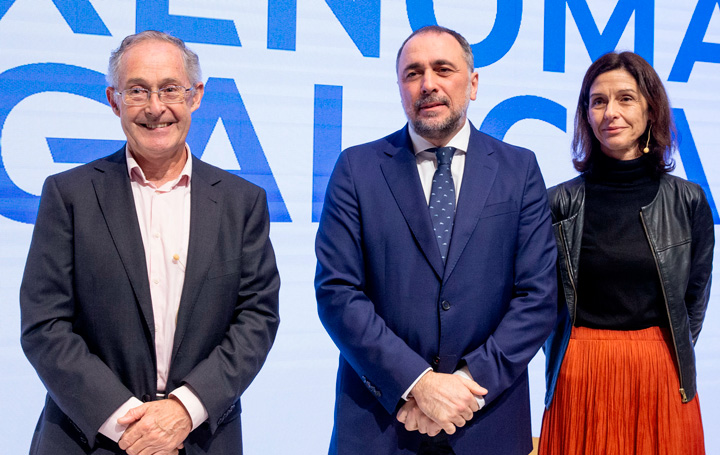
pixel 442 199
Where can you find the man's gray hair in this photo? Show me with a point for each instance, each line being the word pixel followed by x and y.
pixel 191 62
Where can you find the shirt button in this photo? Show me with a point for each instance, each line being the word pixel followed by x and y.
pixel 156 281
pixel 156 235
pixel 445 305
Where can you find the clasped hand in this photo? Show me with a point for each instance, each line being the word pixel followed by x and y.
pixel 440 402
pixel 155 428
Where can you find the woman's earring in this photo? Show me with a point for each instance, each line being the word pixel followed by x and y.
pixel 647 146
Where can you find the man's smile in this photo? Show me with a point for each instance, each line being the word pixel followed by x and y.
pixel 153 126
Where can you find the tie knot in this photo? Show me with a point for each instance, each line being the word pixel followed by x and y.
pixel 444 155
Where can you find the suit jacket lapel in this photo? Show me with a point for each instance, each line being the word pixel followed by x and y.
pixel 478 178
pixel 401 175
pixel 205 204
pixel 114 195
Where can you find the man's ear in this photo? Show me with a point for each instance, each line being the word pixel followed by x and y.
pixel 197 96
pixel 112 100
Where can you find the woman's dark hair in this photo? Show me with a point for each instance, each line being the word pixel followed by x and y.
pixel 661 127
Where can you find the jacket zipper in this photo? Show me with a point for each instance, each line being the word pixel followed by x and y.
pixel 667 309
pixel 570 272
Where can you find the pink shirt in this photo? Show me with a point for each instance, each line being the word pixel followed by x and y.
pixel 163 215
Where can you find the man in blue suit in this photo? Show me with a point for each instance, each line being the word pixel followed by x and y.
pixel 436 281
pixel 150 295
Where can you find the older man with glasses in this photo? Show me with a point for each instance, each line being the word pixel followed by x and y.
pixel 150 295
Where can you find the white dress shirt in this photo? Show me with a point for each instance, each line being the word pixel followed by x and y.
pixel 427 161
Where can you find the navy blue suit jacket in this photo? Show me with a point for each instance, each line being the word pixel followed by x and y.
pixel 394 309
pixel 87 322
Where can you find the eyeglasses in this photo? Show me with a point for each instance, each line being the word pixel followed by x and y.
pixel 137 96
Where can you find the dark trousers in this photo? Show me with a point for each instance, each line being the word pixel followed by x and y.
pixel 435 446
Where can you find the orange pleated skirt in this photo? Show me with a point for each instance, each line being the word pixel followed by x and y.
pixel 618 394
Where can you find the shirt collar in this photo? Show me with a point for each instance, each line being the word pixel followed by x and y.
pixel 137 175
pixel 460 141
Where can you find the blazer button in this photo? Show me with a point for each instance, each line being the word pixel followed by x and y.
pixel 436 360
pixel 146 398
pixel 445 305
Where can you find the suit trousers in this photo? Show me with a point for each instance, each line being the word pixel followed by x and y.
pixel 435 446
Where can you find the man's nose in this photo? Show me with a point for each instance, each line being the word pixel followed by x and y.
pixel 154 106
pixel 429 83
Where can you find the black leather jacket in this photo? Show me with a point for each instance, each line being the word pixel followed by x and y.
pixel 679 226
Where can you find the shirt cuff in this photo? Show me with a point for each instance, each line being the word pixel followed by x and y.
pixel 193 405
pixel 407 392
pixel 111 428
pixel 464 372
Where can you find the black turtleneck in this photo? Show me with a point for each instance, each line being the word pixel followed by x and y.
pixel 618 282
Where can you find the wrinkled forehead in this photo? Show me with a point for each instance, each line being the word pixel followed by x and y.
pixel 617 79
pixel 431 47
pixel 152 60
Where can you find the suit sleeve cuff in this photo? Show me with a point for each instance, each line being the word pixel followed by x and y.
pixel 111 428
pixel 193 405
pixel 464 372
pixel 409 389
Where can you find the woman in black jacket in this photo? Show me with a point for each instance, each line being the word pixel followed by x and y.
pixel 635 251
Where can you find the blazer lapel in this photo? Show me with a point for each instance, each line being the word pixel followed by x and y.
pixel 478 178
pixel 401 175
pixel 114 195
pixel 205 203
